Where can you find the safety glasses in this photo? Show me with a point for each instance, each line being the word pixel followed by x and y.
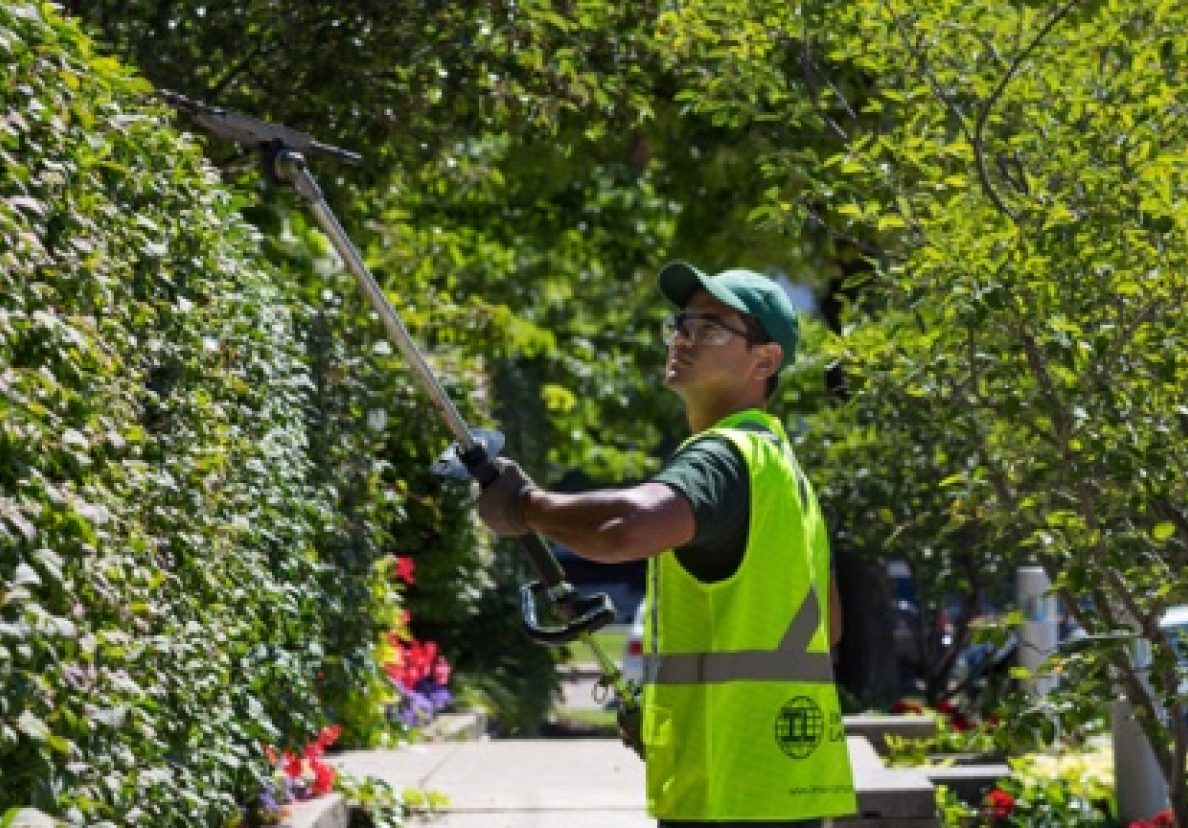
pixel 701 328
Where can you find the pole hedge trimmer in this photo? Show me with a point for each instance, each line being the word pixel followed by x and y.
pixel 470 456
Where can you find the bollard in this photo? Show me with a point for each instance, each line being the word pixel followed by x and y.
pixel 1038 638
pixel 1138 781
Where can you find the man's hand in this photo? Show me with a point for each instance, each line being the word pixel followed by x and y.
pixel 501 504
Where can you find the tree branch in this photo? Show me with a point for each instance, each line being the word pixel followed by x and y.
pixel 955 110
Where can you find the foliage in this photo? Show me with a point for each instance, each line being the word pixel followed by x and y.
pixel 160 609
pixel 1031 306
pixel 308 774
pixel 1024 803
pixel 955 733
pixel 1044 789
pixel 1013 177
pixel 374 804
pixel 182 561
pixel 994 191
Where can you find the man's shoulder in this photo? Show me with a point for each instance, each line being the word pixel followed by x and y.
pixel 707 447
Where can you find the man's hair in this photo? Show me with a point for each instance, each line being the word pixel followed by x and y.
pixel 756 335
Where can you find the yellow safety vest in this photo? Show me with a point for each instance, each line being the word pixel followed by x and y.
pixel 740 714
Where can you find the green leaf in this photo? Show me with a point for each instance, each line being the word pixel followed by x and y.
pixel 1163 532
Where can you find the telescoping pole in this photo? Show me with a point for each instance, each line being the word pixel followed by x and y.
pixel 290 166
pixel 582 614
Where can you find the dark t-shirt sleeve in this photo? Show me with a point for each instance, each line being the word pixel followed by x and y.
pixel 712 475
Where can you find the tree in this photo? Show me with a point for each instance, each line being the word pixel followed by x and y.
pixel 1031 168
pixel 1013 175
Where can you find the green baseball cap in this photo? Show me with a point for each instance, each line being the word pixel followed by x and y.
pixel 744 290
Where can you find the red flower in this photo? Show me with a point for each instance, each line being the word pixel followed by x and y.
pixel 323 781
pixel 292 765
pixel 1164 819
pixel 328 736
pixel 957 720
pixel 405 567
pixel 1001 803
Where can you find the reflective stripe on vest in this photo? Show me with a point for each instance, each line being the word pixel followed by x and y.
pixel 790 661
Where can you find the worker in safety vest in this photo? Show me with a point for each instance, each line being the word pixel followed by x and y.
pixel 740 719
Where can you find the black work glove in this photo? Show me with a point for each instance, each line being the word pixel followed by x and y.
pixel 629 716
pixel 501 504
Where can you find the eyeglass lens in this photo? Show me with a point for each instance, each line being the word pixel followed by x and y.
pixel 698 329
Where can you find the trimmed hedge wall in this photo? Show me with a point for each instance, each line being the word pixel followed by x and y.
pixel 208 462
pixel 159 586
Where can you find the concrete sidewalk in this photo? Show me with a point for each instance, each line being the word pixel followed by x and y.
pixel 522 783
pixel 598 783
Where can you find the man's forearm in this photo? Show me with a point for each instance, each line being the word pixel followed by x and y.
pixel 611 526
pixel 589 524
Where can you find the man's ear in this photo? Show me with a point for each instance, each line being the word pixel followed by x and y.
pixel 770 357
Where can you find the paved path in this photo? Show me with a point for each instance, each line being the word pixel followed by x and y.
pixel 598 783
pixel 522 783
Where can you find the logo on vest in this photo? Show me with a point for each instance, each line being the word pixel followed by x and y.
pixel 799 727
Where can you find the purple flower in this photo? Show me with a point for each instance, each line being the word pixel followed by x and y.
pixel 268 801
pixel 416 709
pixel 438 695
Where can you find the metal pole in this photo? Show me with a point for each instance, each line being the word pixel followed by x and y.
pixel 1038 638
pixel 282 148
pixel 290 166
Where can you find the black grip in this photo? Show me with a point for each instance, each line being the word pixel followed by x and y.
pixel 578 614
pixel 478 462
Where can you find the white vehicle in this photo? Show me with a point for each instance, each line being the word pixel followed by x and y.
pixel 632 665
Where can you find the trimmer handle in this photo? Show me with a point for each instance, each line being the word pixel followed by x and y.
pixel 582 613
pixel 477 461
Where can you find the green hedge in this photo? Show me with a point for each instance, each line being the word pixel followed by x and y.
pixel 160 589
pixel 197 492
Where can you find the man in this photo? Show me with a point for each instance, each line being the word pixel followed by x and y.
pixel 741 722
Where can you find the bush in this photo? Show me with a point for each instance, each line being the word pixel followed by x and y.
pixel 161 610
pixel 197 473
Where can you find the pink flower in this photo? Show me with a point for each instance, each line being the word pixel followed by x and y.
pixel 441 671
pixel 405 569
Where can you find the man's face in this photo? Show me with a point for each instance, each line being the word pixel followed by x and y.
pixel 709 361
